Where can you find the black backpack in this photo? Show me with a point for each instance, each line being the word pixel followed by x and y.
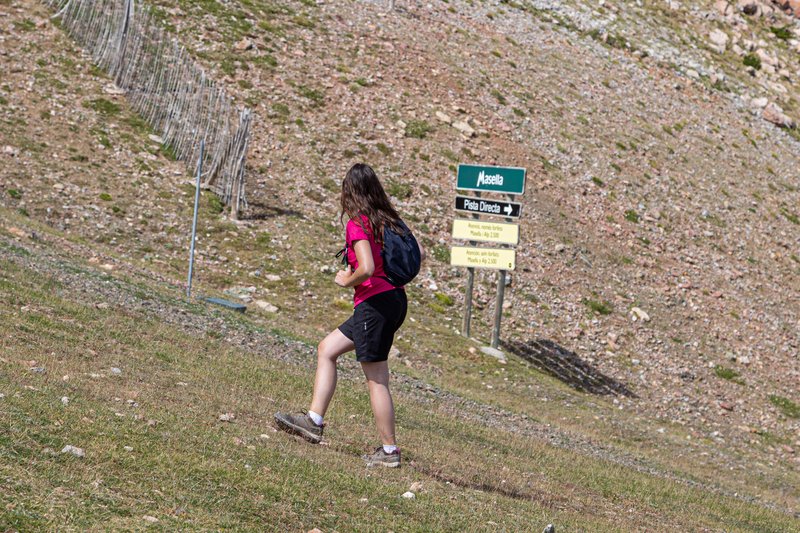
pixel 401 255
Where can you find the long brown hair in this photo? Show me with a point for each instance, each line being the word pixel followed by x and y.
pixel 363 194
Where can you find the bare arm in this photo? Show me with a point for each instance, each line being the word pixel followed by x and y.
pixel 366 267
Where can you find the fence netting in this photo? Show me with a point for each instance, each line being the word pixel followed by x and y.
pixel 166 87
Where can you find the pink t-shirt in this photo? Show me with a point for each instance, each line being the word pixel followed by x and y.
pixel 376 284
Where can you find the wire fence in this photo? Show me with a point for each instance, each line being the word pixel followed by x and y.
pixel 166 87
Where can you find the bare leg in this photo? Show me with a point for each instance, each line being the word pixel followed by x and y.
pixel 328 351
pixel 380 398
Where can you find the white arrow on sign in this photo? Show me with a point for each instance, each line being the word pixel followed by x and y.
pixel 508 210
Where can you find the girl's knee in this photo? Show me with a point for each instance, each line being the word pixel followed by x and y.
pixel 325 351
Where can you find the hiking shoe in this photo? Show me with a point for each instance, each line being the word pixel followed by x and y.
pixel 300 425
pixel 380 457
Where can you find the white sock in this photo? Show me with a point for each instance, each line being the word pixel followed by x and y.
pixel 389 448
pixel 316 418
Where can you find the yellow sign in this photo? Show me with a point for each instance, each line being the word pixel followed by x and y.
pixel 499 258
pixel 479 230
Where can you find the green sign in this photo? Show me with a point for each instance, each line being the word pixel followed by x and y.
pixel 510 180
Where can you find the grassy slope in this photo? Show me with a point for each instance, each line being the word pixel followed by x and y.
pixel 189 470
pixel 432 351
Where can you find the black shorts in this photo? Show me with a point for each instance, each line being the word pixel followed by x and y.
pixel 374 323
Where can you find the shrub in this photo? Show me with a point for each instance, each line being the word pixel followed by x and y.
pixel 632 216
pixel 752 60
pixel 598 307
pixel 15 194
pixel 783 33
pixel 105 197
pixel 418 129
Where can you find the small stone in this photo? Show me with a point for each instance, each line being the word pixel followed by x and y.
pixel 315 530
pixel 639 314
pixel 244 45
pixel 719 41
pixel 38 370
pixel 272 277
pixel 443 117
pixel 759 103
pixel 155 139
pixel 394 353
pixel 65 401
pixel 416 487
pixel 727 406
pixel 409 495
pixel 111 88
pixel 773 113
pixel 151 519
pixel 464 128
pixel 227 417
pixel 693 74
pixel 550 528
pixel 116 371
pixel 128 448
pixel 74 450
pixel 266 306
pixel 363 500
pixel 264 436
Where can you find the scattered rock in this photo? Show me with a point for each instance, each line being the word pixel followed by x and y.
pixel 443 117
pixel 227 417
pixel 156 139
pixel 464 128
pixel 266 306
pixel 416 487
pixel 151 519
pixel 38 370
pixel 639 314
pixel 112 89
pixel 409 495
pixel 719 41
pixel 727 406
pixel 773 113
pixel 74 450
pixel 64 401
pixel 243 45
pixel 128 448
pixel 116 371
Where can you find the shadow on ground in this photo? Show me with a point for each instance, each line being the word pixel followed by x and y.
pixel 566 366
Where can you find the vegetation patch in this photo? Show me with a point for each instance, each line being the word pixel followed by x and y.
pixel 752 60
pixel 598 307
pixel 418 129
pixel 105 107
pixel 787 406
pixel 729 374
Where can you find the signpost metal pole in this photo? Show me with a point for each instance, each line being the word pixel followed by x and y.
pixel 465 327
pixel 194 219
pixel 498 312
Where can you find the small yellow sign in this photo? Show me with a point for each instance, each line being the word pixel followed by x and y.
pixel 498 258
pixel 479 230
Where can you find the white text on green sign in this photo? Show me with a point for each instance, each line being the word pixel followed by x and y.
pixel 497 258
pixel 510 180
pixel 479 230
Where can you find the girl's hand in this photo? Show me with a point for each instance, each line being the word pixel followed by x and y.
pixel 343 277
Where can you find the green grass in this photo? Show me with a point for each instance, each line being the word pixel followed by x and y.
pixel 728 374
pixel 418 129
pixel 190 471
pixel 786 406
pixel 598 307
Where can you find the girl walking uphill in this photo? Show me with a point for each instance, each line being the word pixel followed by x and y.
pixel 379 311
